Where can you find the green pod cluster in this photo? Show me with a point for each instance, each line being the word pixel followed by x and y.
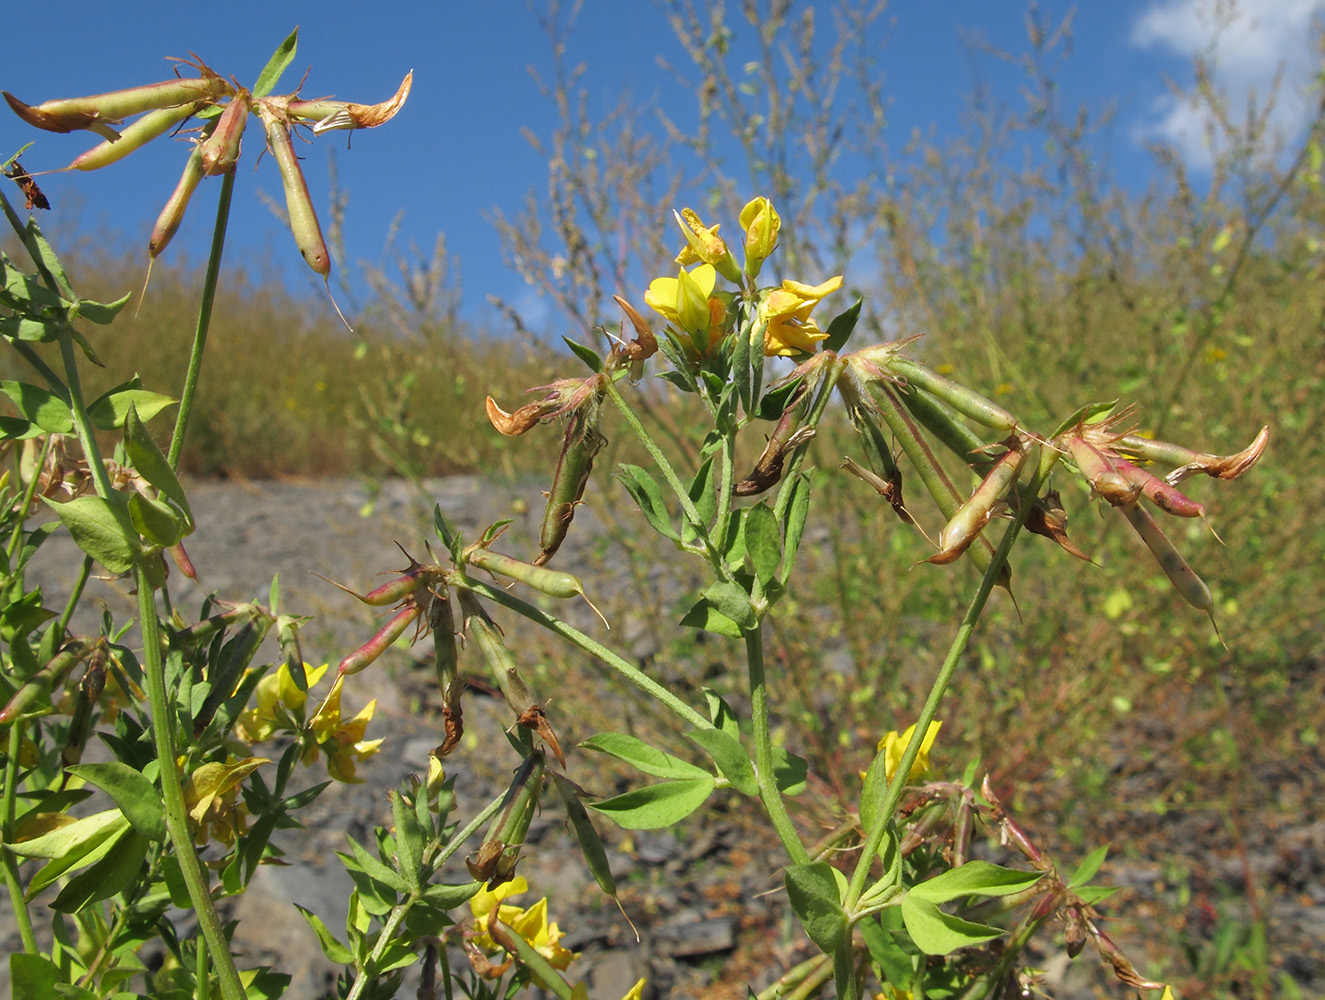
pixel 95 112
pixel 495 860
pixel 965 401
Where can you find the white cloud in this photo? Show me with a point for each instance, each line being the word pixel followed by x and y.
pixel 1245 44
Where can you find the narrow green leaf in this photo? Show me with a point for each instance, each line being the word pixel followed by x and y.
pixel 333 949
pixel 41 406
pixel 642 756
pixel 276 65
pixel 704 616
pixel 789 771
pixel 975 878
pixel 116 871
pixel 586 354
pixel 774 403
pixel 447 897
pixel 1088 867
pixel 842 326
pixel 814 891
pixel 368 864
pixel 730 756
pixel 656 806
pixel 151 464
pixel 763 542
pixel 103 529
pixel 33 977
pixel 81 835
pixel 102 313
pixel 110 411
pixel 647 494
pixel 702 496
pixel 409 842
pixel 742 377
pixel 721 714
pixel 17 429
pixel 798 509
pixel 129 789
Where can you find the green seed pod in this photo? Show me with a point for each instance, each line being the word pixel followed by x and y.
pixel 47 679
pixel 137 135
pixel 591 845
pixel 298 204
pixel 965 401
pixel 972 516
pixel 499 659
pixel 495 860
pixel 1194 462
pixel 368 653
pixel 167 223
pixel 220 150
pixel 97 111
pixel 552 582
pixel 581 444
pixel 1175 567
pixel 441 617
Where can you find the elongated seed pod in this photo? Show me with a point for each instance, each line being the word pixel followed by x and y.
pixel 348 115
pixel 972 516
pixel 381 642
pixel 965 401
pixel 200 632
pixel 941 420
pixel 519 697
pixel 220 150
pixel 1175 567
pixel 167 223
pixel 591 845
pixel 95 112
pixel 396 589
pixel 1169 499
pixel 47 679
pixel 1193 462
pixel 298 204
pixel 581 444
pixel 1100 471
pixel 500 851
pixel 445 660
pixel 552 582
pixel 135 136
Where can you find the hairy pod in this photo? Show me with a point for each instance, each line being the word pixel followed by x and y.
pixel 135 136
pixel 965 401
pixel 581 444
pixel 298 204
pixel 552 582
pixel 167 223
pixel 591 845
pixel 101 110
pixel 368 653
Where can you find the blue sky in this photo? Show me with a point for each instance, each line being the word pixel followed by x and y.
pixel 456 152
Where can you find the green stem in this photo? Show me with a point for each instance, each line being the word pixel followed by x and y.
pixel 769 793
pixel 26 503
pixel 82 423
pixel 204 321
pixel 727 478
pixel 7 861
pixel 817 408
pixel 172 793
pixel 893 795
pixel 573 635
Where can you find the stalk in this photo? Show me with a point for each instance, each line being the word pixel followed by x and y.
pixel 26 504
pixel 12 883
pixel 172 793
pixel 769 793
pixel 204 321
pixel 817 408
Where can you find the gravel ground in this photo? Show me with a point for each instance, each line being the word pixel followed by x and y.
pixel 701 894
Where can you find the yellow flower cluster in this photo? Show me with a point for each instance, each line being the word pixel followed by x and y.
pixel 894 746
pixel 531 924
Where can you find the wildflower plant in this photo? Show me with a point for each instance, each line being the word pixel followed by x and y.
pixel 206 735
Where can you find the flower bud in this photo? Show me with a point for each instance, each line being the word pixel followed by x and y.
pixel 705 245
pixel 761 224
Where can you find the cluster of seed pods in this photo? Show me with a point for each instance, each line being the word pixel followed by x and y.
pixel 166 107
pixel 883 388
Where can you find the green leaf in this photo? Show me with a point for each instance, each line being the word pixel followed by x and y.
pixel 731 600
pixel 16 429
pixel 647 494
pixel 41 406
pixel 158 522
pixel 840 329
pixel 763 542
pixel 102 313
pixel 1087 869
pixel 774 403
pixel 409 842
pixel 33 977
pixel 333 949
pixel 793 528
pixel 116 871
pixel 721 714
pixel 276 65
pixel 371 866
pixel 742 377
pixel 129 789
pixel 75 838
pixel 103 529
pixel 975 878
pixel 889 946
pixel 110 411
pixel 656 806
pixel 642 756
pixel 730 756
pixel 704 500
pixel 150 463
pixel 814 890
pixel 1092 894
pixel 789 771
pixel 447 897
pixel 586 354
pixel 1087 414
pixel 704 616
pixel 938 933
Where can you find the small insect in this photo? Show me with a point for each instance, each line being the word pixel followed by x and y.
pixel 33 194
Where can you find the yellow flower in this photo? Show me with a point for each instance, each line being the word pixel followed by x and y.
pixel 277 700
pixel 761 224
pixel 704 244
pixel 531 924
pixel 894 746
pixel 342 742
pixel 210 794
pixel 684 300
pixel 784 313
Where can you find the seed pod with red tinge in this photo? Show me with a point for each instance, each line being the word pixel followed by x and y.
pixel 298 204
pixel 40 685
pixel 1169 499
pixel 366 654
pixel 495 859
pixel 552 582
pixel 1175 567
pixel 972 516
pixel 965 401
pixel 101 110
pixel 183 561
pixel 1193 462
pixel 768 468
pixel 581 444
pixel 396 590
pixel 202 631
pixel 220 150
pixel 167 223
pixel 1099 470
pixel 135 136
